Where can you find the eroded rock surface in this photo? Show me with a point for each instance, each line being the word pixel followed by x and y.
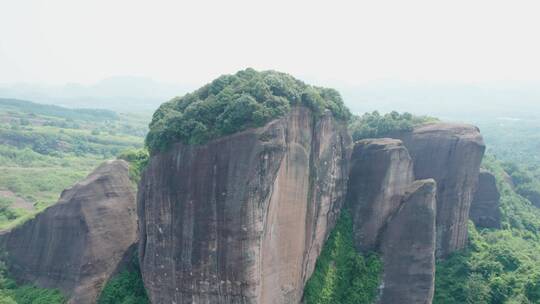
pixel 395 216
pixel 408 248
pixel 381 171
pixel 451 154
pixel 77 244
pixel 485 210
pixel 508 179
pixel 242 219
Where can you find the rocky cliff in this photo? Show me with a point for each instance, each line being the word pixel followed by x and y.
pixel 242 218
pixel 451 154
pixel 485 210
pixel 408 248
pixel 77 244
pixel 395 216
pixel 381 171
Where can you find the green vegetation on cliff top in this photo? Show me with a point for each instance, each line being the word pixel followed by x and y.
pixel 233 103
pixel 374 125
pixel 137 159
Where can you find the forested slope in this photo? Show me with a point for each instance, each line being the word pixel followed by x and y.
pixel 45 149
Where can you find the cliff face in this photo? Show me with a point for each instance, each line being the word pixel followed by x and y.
pixel 242 219
pixel 485 210
pixel 381 171
pixel 408 248
pixel 508 179
pixel 77 244
pixel 395 216
pixel 451 154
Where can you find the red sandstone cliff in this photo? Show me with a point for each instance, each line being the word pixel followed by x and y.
pixel 243 218
pixel 77 244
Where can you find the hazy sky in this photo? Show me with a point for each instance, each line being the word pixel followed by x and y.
pixel 348 42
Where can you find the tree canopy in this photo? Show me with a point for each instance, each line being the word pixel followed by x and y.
pixel 499 266
pixel 375 125
pixel 233 103
pixel 341 274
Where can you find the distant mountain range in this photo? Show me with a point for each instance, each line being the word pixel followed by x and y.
pixel 26 106
pixel 466 102
pixel 122 93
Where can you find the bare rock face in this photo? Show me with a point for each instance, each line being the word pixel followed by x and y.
pixel 76 245
pixel 395 216
pixel 408 248
pixel 451 154
pixel 485 210
pixel 508 179
pixel 242 219
pixel 381 171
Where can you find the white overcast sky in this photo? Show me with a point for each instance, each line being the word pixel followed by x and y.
pixel 347 42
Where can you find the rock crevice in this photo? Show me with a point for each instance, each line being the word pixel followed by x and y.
pixel 394 215
pixel 450 154
pixel 407 247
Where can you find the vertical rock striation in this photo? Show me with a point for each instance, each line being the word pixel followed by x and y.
pixel 242 219
pixel 77 244
pixel 451 154
pixel 485 210
pixel 381 171
pixel 408 248
pixel 395 216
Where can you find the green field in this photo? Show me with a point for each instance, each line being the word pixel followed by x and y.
pixel 46 149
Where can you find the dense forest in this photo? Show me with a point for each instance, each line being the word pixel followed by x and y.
pixel 341 274
pixel 502 266
pixel 499 265
pixel 232 103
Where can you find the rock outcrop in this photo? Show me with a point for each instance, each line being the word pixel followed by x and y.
pixel 395 216
pixel 77 244
pixel 242 219
pixel 381 171
pixel 451 154
pixel 408 248
pixel 508 179
pixel 485 210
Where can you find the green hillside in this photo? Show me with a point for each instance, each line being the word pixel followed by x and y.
pixel 499 265
pixel 45 149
